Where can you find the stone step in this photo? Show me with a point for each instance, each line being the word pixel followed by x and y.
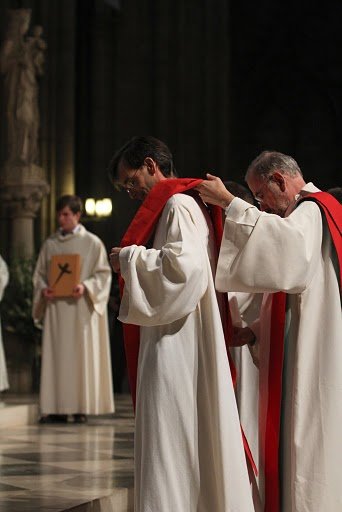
pixel 122 500
pixel 18 414
pixel 65 467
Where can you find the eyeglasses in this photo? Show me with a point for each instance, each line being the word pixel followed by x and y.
pixel 129 183
pixel 259 196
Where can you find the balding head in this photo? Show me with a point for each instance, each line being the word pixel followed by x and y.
pixel 269 161
pixel 274 179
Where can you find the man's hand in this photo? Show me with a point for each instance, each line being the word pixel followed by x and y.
pixel 242 336
pixel 114 258
pixel 213 191
pixel 78 291
pixel 48 293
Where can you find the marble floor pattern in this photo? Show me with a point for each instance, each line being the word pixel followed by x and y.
pixel 87 467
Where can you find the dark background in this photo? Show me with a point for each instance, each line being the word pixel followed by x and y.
pixel 218 81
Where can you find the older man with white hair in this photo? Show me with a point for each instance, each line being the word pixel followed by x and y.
pixel 292 251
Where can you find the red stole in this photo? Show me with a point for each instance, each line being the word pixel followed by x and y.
pixel 332 210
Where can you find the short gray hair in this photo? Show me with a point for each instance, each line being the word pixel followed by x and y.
pixel 270 161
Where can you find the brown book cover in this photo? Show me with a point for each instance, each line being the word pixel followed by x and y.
pixel 64 273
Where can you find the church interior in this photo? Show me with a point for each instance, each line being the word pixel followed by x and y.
pixel 219 82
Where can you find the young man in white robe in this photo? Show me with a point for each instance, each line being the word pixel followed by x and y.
pixel 188 447
pixel 76 376
pixel 4 277
pixel 287 247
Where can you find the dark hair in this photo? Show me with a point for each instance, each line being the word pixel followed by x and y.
pixel 270 161
pixel 133 153
pixel 73 202
pixel 239 191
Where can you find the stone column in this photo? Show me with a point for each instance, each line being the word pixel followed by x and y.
pixel 22 180
pixel 21 191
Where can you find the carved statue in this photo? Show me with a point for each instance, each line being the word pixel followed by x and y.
pixel 21 62
pixel 35 61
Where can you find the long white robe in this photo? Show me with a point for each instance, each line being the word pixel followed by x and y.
pixel 76 373
pixel 265 253
pixel 4 276
pixel 245 309
pixel 188 449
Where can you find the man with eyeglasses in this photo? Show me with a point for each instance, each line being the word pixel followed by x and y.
pixel 291 250
pixel 188 447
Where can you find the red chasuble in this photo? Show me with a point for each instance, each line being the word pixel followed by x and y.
pixel 332 210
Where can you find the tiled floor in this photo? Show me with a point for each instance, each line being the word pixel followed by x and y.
pixel 61 467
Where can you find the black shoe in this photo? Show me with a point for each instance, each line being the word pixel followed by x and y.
pixel 80 418
pixel 53 418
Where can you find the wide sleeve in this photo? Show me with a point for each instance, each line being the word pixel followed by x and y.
pixel 99 281
pixel 4 276
pixel 262 252
pixel 164 285
pixel 40 281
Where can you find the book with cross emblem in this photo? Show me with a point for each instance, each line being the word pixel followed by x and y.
pixel 64 273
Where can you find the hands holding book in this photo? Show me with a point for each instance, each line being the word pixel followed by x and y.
pixel 77 292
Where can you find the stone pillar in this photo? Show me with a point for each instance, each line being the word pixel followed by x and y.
pixel 21 191
pixel 22 180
